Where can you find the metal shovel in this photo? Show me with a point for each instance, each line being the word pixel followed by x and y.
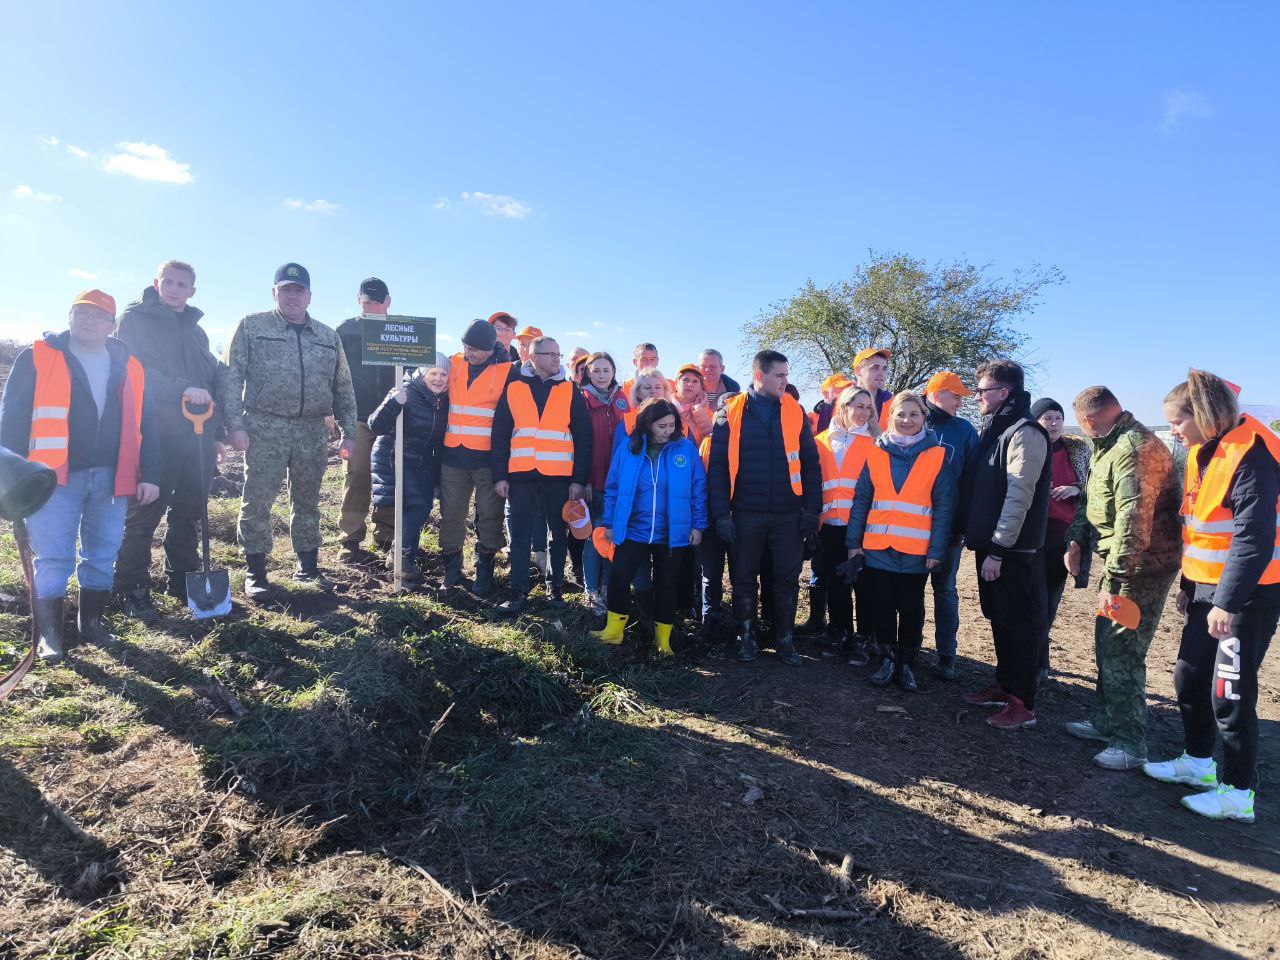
pixel 208 591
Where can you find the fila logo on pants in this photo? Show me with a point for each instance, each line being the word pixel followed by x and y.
pixel 1228 669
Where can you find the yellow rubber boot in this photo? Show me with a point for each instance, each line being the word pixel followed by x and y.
pixel 662 638
pixel 613 628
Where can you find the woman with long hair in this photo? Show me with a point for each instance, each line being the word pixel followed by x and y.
pixel 900 522
pixel 655 509
pixel 606 405
pixel 1230 593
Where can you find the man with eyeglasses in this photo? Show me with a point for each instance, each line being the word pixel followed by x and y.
pixel 1008 513
pixel 541 458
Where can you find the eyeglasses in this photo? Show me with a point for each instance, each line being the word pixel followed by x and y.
pixel 998 386
pixel 546 353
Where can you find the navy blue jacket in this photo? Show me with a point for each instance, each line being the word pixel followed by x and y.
pixel 92 441
pixel 636 507
pixel 960 438
pixel 764 481
pixel 426 415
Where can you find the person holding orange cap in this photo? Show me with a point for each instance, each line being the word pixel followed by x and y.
pixel 943 396
pixel 870 371
pixel 76 402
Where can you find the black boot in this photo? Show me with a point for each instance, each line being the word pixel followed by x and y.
pixel 785 647
pixel 555 594
pixel 308 568
pixel 453 570
pixel 748 649
pixel 906 676
pixel 89 617
pixel 817 622
pixel 135 603
pixel 410 575
pixel 48 614
pixel 856 649
pixel 513 607
pixel 484 574
pixel 883 676
pixel 945 667
pixel 256 585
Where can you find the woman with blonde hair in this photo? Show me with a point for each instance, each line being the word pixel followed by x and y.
pixel 900 522
pixel 1230 593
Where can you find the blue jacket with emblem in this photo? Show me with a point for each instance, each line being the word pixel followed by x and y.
pixel 648 501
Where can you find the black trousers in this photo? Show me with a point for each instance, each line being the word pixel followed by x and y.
pixel 831 553
pixel 780 533
pixel 182 497
pixel 897 600
pixel 1217 687
pixel 530 504
pixel 1055 582
pixel 1015 604
pixel 628 557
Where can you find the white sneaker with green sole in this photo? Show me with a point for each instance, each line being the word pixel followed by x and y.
pixel 1222 803
pixel 1185 770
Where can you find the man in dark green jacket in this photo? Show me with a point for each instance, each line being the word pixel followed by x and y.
pixel 1127 514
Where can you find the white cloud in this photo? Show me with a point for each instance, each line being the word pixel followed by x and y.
pixel 81 274
pixel 77 152
pixel 146 161
pixel 599 324
pixel 48 141
pixel 497 205
pixel 23 192
pixel 441 204
pixel 575 333
pixel 1181 104
pixel 314 206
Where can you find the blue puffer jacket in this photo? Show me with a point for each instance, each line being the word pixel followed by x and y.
pixel 426 416
pixel 636 508
pixel 944 505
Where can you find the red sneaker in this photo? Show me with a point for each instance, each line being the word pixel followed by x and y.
pixel 994 696
pixel 1014 716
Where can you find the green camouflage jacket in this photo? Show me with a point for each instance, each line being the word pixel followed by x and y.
pixel 1128 512
pixel 287 370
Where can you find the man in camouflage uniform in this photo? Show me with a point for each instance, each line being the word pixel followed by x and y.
pixel 1128 514
pixel 285 374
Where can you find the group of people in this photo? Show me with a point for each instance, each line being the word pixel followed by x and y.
pixel 645 491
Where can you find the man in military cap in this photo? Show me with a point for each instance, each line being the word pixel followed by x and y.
pixel 285 374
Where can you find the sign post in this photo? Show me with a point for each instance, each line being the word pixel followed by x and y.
pixel 395 341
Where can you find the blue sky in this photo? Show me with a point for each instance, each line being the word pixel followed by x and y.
pixel 615 172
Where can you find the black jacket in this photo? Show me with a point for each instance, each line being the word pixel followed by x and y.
pixel 426 415
pixel 763 484
pixel 1252 499
pixel 371 383
pixel 999 459
pixel 174 352
pixel 92 441
pixel 579 426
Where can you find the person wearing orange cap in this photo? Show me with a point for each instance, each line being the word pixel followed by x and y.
pixel 504 325
pixel 831 389
pixel 870 371
pixel 524 339
pixel 691 401
pixel 76 402
pixel 944 394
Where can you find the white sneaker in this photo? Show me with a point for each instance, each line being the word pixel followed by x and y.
pixel 1085 730
pixel 540 561
pixel 1222 803
pixel 1113 758
pixel 1185 770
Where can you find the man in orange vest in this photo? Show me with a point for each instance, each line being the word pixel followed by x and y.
pixel 541 458
pixel 870 371
pixel 765 488
pixel 477 377
pixel 76 402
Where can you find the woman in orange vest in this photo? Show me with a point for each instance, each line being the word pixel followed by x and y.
pixel 900 522
pixel 74 401
pixel 842 452
pixel 1230 592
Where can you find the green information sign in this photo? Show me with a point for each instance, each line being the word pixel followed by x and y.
pixel 392 341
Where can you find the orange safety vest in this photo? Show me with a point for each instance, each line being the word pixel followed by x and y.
pixel 902 519
pixel 704 451
pixel 541 443
pixel 629 420
pixel 839 482
pixel 51 406
pixel 792 424
pixel 1207 523
pixel 471 405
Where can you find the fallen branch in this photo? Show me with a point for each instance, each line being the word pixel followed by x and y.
pixel 463 908
pixel 811 913
pixel 204 825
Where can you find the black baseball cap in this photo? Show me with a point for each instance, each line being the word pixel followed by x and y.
pixel 293 273
pixel 375 289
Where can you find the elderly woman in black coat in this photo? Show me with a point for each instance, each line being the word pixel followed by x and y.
pixel 424 398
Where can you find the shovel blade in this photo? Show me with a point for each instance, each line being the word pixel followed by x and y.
pixel 209 594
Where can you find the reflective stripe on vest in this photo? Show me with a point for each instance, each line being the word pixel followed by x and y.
pixel 471 406
pixel 1208 526
pixel 840 482
pixel 541 443
pixel 792 424
pixel 51 406
pixel 902 520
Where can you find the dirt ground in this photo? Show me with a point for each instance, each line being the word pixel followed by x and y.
pixel 350 775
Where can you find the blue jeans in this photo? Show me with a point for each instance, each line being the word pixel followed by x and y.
pixel 946 603
pixel 85 507
pixel 595 568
